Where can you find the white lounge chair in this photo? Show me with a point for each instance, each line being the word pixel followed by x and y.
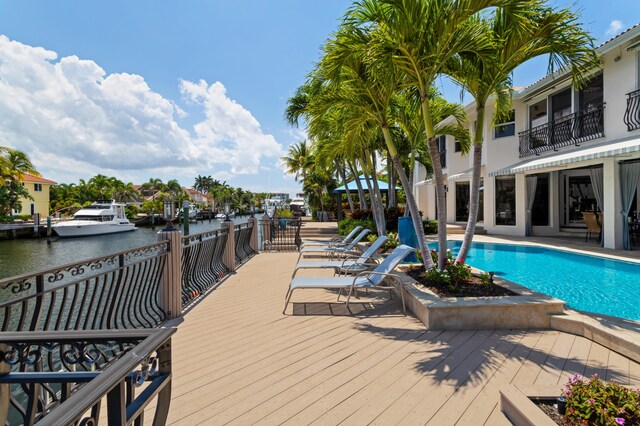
pixel 335 241
pixel 332 251
pixel 365 279
pixel 349 262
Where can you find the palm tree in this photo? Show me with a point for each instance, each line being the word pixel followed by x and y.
pixel 369 91
pixel 152 186
pixel 15 164
pixel 298 160
pixel 102 185
pixel 418 39
pixel 545 32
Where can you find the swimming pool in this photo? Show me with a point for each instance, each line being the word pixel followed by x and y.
pixel 587 283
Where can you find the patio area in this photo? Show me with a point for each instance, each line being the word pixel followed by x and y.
pixel 238 360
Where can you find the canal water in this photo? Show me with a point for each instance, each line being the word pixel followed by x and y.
pixel 30 255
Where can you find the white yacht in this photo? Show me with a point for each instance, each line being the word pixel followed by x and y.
pixel 298 205
pixel 102 217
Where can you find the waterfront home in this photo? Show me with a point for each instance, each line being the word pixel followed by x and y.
pixel 563 152
pixel 38 188
pixel 198 198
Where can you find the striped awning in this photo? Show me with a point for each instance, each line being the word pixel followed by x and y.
pixel 464 175
pixel 583 154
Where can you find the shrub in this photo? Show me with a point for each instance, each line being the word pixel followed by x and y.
pixel 593 401
pixel 284 213
pixel 430 226
pixel 390 244
pixel 456 272
pixel 347 225
pixel 11 219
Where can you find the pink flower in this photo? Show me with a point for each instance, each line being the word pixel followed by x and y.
pixel 619 420
pixel 591 401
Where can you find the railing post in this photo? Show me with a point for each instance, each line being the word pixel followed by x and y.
pixel 229 254
pixel 266 230
pixel 171 285
pixel 253 241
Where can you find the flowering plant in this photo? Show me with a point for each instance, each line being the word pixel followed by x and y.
pixel 456 272
pixel 593 401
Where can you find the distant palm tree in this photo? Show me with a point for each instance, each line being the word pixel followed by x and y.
pixel 14 165
pixel 152 187
pixel 298 160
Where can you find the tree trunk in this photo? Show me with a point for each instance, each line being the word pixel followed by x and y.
pixel 411 201
pixel 378 205
pixel 372 198
pixel 391 177
pixel 356 177
pixel 342 174
pixel 474 199
pixel 440 191
pixel 406 210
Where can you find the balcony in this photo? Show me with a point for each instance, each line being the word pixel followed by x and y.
pixel 578 127
pixel 632 114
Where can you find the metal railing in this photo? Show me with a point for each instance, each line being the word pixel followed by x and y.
pixel 202 265
pixel 115 291
pixel 280 234
pixel 62 378
pixel 632 113
pixel 243 248
pixel 575 128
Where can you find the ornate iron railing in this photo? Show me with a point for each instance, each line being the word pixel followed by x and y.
pixel 62 378
pixel 115 291
pixel 202 265
pixel 243 233
pixel 632 114
pixel 572 129
pixel 280 234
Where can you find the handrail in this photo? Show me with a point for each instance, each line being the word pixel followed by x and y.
pixel 632 113
pixel 148 359
pixel 578 127
pixel 280 234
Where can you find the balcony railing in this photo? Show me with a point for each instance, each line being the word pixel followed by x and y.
pixel 632 114
pixel 575 128
pixel 65 377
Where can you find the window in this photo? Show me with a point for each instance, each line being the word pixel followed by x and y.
pixel 540 209
pixel 37 187
pixel 506 200
pixel 457 146
pixel 507 128
pixel 463 196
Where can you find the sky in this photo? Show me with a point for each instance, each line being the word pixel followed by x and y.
pixel 172 90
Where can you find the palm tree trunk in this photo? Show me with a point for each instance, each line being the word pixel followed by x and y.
pixel 363 201
pixel 377 203
pixel 474 199
pixel 411 201
pixel 391 177
pixel 440 191
pixel 342 174
pixel 367 180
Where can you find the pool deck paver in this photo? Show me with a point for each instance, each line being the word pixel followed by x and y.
pixel 238 360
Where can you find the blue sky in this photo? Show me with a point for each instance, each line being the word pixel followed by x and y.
pixel 141 89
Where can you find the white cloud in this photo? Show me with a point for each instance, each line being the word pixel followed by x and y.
pixel 75 120
pixel 614 28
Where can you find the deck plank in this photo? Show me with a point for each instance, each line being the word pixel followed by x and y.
pixel 238 360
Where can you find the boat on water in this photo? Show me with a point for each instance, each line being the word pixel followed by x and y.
pixel 298 205
pixel 224 216
pixel 193 212
pixel 99 218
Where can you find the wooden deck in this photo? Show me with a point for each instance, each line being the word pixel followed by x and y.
pixel 238 360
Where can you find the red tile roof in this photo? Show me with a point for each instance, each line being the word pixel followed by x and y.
pixel 35 179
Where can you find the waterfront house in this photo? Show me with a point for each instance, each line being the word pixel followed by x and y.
pixel 563 153
pixel 38 188
pixel 198 198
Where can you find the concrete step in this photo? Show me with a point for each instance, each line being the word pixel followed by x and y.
pixel 453 229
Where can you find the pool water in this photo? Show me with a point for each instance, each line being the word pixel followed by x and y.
pixel 586 283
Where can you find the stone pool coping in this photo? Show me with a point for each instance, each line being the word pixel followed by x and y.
pixel 528 309
pixel 516 404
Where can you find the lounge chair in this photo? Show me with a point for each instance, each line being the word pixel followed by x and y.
pixel 350 262
pixel 335 241
pixel 365 279
pixel 332 251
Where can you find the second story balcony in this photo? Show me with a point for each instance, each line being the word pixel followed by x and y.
pixel 578 127
pixel 632 113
